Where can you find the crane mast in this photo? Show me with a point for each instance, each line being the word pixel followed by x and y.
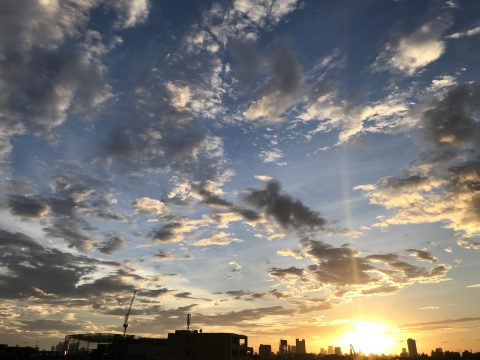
pixel 127 315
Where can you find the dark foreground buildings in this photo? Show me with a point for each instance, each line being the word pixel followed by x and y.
pixel 180 345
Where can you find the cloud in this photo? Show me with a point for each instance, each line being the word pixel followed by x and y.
pixel 288 212
pixel 422 255
pixel 291 271
pixel 297 254
pixel 146 205
pixel 439 322
pixel 180 95
pixel 264 178
pixel 162 255
pixel 220 239
pixel 471 32
pixel 27 207
pixel 343 272
pixel 49 272
pixel 176 230
pixel 442 184
pixel 268 156
pixel 111 244
pixel 474 286
pixel 34 42
pixel 284 88
pixel 246 61
pixel 412 52
pixel 236 268
pixel 351 118
pixel 131 12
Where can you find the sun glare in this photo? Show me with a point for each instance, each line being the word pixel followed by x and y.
pixel 370 337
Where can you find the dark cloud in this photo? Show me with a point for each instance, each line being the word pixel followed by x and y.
pixel 67 209
pixel 211 199
pixel 343 267
pixel 452 120
pixel 245 295
pixel 246 61
pixel 27 206
pixel 288 212
pixel 119 144
pixel 48 68
pixel 283 273
pixel 171 232
pixel 238 317
pixel 383 257
pixel 284 87
pixel 337 265
pixel 442 184
pixel 49 272
pixel 111 244
pixel 422 255
pixel 51 325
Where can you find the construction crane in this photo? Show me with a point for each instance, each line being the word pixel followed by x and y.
pixel 127 315
pixel 352 351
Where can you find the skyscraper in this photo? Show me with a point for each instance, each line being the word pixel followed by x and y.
pixel 412 347
pixel 300 346
pixel 282 349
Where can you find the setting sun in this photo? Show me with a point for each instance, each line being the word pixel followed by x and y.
pixel 370 337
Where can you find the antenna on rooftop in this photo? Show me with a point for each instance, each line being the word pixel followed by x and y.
pixel 127 315
pixel 188 321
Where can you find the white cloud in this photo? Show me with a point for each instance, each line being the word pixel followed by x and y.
pixel 220 239
pixel 414 51
pixel 297 254
pixel 468 33
pixel 334 113
pixel 268 156
pixel 181 95
pixel 150 206
pixel 264 178
pixel 132 12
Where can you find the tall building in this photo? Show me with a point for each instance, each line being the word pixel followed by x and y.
pixel 265 352
pixel 283 348
pixel 300 346
pixel 338 351
pixel 330 350
pixel 412 347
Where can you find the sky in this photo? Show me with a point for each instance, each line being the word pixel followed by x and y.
pixel 277 168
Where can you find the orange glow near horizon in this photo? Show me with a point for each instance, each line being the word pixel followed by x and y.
pixel 370 337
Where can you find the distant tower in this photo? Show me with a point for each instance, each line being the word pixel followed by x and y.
pixel 300 346
pixel 283 348
pixel 412 348
pixel 330 350
pixel 188 321
pixel 338 351
pixel 265 352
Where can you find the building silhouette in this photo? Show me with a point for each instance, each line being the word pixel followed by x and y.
pixel 180 345
pixel 300 346
pixel 265 352
pixel 412 347
pixel 283 347
pixel 338 350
